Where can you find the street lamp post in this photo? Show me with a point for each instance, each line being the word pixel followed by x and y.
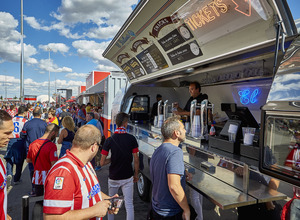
pixel 49 78
pixel 22 58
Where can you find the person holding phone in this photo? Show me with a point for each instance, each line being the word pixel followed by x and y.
pixel 72 189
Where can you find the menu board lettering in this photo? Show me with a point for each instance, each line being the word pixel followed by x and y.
pixel 175 38
pixel 152 59
pixel 133 69
pixel 184 53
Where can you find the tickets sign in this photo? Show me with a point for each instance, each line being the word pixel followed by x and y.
pixel 211 19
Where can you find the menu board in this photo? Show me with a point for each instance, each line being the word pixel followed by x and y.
pixel 133 69
pixel 152 59
pixel 184 53
pixel 175 38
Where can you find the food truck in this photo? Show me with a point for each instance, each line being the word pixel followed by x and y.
pixel 245 55
pixel 101 89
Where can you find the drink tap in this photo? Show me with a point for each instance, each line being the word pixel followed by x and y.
pixel 195 120
pixel 167 110
pixel 160 114
pixel 206 112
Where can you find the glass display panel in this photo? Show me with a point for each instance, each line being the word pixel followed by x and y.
pixel 140 104
pixel 127 105
pixel 281 152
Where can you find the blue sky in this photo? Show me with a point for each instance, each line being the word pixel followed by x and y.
pixel 76 31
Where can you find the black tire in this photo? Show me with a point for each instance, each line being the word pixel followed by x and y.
pixel 143 187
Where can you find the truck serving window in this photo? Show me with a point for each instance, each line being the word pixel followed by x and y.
pixel 281 152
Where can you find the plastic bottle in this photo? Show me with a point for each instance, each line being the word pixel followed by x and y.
pixel 212 131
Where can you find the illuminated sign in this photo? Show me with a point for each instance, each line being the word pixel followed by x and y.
pixel 248 96
pixel 251 94
pixel 211 19
pixel 206 14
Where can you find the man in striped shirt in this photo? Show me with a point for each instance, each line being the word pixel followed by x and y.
pixel 16 151
pixel 6 129
pixel 72 190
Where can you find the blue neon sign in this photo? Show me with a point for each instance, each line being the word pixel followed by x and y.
pixel 249 97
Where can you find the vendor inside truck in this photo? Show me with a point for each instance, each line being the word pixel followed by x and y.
pixel 195 91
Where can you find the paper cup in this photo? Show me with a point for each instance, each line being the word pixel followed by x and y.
pixel 248 139
pixel 231 136
pixel 187 127
pixel 233 128
pixel 155 121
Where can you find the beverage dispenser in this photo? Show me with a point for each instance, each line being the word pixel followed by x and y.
pixel 206 117
pixel 160 114
pixel 195 119
pixel 167 110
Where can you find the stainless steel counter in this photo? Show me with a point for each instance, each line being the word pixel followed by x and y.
pixel 225 184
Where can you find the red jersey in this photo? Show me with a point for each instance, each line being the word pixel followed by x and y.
pixel 47 155
pixel 19 122
pixel 293 159
pixel 71 185
pixel 3 192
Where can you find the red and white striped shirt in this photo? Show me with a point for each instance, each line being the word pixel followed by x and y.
pixel 11 113
pixel 71 185
pixel 3 191
pixel 19 122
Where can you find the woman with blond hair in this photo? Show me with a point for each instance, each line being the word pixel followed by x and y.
pixel 67 135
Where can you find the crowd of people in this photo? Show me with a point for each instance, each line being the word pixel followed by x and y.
pixel 32 132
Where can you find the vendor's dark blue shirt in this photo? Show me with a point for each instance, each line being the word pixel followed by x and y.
pixel 167 159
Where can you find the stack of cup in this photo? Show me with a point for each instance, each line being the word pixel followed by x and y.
pixel 187 127
pixel 196 127
pixel 232 131
pixel 155 121
pixel 248 135
pixel 160 120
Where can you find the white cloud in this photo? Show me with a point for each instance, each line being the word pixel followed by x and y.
pixel 111 12
pixel 55 47
pixel 103 32
pixel 94 51
pixel 77 75
pixel 36 88
pixel 62 28
pixel 10 48
pixel 47 65
pixel 35 24
pixel 108 16
pixel 107 68
pixel 90 49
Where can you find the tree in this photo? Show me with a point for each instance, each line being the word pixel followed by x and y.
pixel 15 97
pixel 1 97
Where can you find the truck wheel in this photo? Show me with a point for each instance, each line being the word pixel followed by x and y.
pixel 143 187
